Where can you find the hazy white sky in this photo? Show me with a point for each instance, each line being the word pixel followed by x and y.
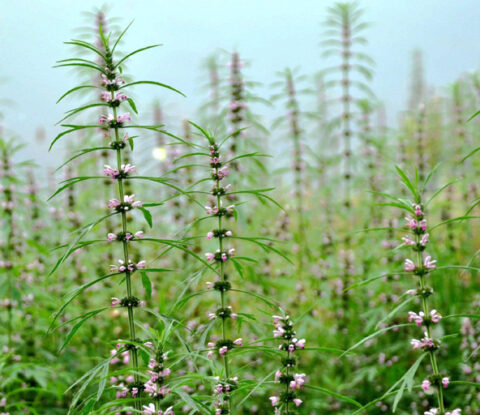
pixel 272 34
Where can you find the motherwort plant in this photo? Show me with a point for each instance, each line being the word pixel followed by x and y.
pixel 114 128
pixel 419 265
pixel 222 261
pixel 349 76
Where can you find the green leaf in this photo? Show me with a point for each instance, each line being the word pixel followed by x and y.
pixel 77 326
pixel 473 116
pixel 121 36
pixel 334 394
pixel 153 83
pixel 147 284
pixel 407 182
pixel 407 381
pixel 375 334
pixel 132 105
pixel 135 52
pixel 75 89
pixel 147 215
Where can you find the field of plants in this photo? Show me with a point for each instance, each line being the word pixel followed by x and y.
pixel 317 262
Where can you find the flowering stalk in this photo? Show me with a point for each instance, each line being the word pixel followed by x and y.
pixel 344 26
pixel 223 346
pixel 286 376
pixel 114 124
pixel 421 268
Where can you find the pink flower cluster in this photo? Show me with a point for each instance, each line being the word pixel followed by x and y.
pixel 107 97
pixel 427 384
pixel 220 256
pixel 131 267
pixel 127 237
pixel 156 385
pixel 222 388
pixel 223 347
pixel 125 169
pixel 129 202
pixel 112 84
pixel 419 318
pixel 109 119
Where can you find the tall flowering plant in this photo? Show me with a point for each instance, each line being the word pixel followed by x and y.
pixel 420 265
pixel 225 344
pixel 115 125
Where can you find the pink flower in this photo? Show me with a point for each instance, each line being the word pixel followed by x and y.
pixel 276 319
pixel 209 285
pixel 124 117
pixel 106 96
pixel 298 381
pixel 115 301
pixel 428 263
pixel 445 382
pixel 407 241
pixel 128 168
pixel 149 410
pixel 111 237
pixel 106 119
pixel 424 239
pixel 228 233
pixel 278 375
pixel 409 265
pixel 238 342
pixel 139 234
pixel 423 224
pixel 435 316
pixel 210 256
pixel 297 402
pixel 426 384
pixel 141 265
pixel 209 235
pixel 300 344
pixel 113 203
pixel 411 223
pixel 120 97
pixel 223 350
pixel 274 400
pixel 418 318
pixel 130 199
pixel 418 210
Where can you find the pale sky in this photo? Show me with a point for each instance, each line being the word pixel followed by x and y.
pixel 270 34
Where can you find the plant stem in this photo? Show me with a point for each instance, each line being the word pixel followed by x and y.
pixel 128 281
pixel 426 311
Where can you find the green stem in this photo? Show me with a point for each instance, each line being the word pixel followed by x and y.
pixel 128 281
pixel 426 311
pixel 222 293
